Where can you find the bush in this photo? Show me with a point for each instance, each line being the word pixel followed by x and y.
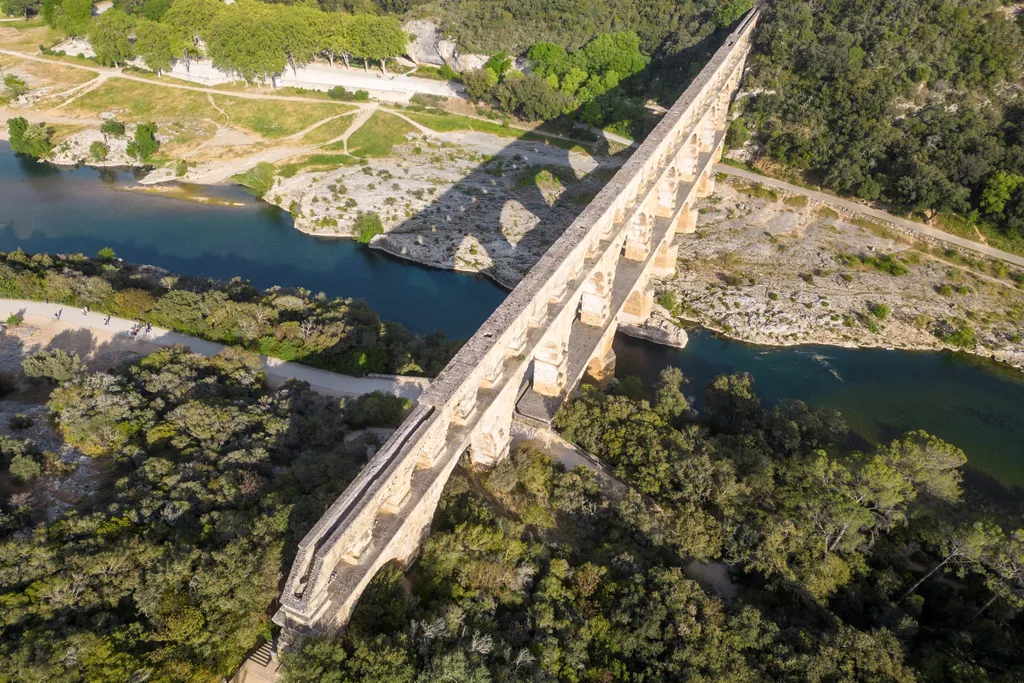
pixel 180 167
pixel 738 134
pixel 145 143
pixel 962 337
pixel 668 299
pixel 14 319
pixel 24 468
pixel 21 421
pixel 58 365
pixel 257 180
pixel 14 87
pixel 106 254
pixel 98 151
pixel 366 227
pixel 339 93
pixel 880 311
pixel 112 127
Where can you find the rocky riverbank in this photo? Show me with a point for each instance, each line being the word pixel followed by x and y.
pixel 460 201
pixel 781 271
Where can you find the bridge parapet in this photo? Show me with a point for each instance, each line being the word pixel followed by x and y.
pixel 557 324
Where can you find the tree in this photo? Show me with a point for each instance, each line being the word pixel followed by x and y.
pixel 548 58
pixel 106 255
pixel 155 10
pixel 58 365
pixel 377 38
pixel 297 33
pixel 145 144
pixel 479 83
pixel 33 140
pixel 110 37
pixel 25 8
pixel 499 63
pixel 998 191
pixel 242 41
pixel 962 546
pixel 157 44
pixel 71 16
pixel 190 18
pixel 727 12
pixel 336 39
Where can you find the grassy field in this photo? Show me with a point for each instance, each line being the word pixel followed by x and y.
pixel 276 118
pixel 137 101
pixel 143 102
pixel 27 36
pixel 327 131
pixel 315 162
pixel 378 136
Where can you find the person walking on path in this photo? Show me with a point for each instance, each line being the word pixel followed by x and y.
pixel 57 314
pixel 107 321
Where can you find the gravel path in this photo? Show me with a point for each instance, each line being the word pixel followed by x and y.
pixel 92 335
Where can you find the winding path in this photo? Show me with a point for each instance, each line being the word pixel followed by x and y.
pixel 856 207
pixel 42 315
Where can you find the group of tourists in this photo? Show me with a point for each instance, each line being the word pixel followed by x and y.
pixel 134 332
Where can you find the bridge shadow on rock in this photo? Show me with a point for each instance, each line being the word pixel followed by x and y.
pixel 501 217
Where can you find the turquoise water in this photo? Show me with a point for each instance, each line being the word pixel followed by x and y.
pixel 978 406
pixel 975 404
pixel 44 209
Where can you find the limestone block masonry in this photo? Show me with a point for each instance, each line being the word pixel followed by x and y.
pixel 528 357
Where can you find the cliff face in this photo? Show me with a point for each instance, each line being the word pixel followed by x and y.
pixel 429 46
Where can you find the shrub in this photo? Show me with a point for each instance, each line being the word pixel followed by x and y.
pixel 112 127
pixel 738 134
pixel 98 151
pixel 24 468
pixel 106 254
pixel 366 227
pixel 14 87
pixel 180 167
pixel 962 337
pixel 361 96
pixel 21 421
pixel 14 319
pixel 946 290
pixel 880 311
pixel 57 364
pixel 668 300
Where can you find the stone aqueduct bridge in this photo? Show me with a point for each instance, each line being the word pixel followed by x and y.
pixel 528 357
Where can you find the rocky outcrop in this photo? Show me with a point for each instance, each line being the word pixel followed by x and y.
pixel 429 46
pixel 76 150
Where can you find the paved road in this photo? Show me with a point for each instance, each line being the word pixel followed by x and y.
pixel 848 205
pixel 278 371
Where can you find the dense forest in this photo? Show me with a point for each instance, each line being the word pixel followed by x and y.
pixel 827 564
pixel 201 482
pixel 917 103
pixel 342 335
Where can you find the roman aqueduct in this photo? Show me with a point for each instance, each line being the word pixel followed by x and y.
pixel 529 356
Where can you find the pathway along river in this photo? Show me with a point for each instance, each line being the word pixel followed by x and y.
pixel 976 405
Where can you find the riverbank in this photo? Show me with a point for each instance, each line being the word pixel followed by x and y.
pixel 778 270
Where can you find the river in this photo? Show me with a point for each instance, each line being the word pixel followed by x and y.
pixel 976 405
